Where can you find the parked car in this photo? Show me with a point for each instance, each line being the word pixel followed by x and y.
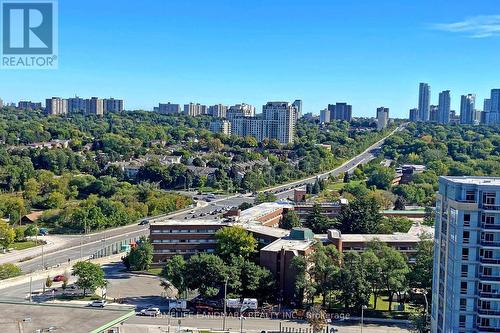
pixel 144 222
pixel 59 278
pixel 43 232
pixel 151 312
pixel 98 303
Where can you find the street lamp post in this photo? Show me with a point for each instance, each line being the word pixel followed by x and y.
pixel 225 304
pixel 363 307
pixel 241 323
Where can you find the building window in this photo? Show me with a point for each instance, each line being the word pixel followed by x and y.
pixel 466 236
pixel 489 198
pixel 465 253
pixel 463 304
pixel 470 196
pixel 465 269
pixel 463 287
pixel 461 321
pixel 466 220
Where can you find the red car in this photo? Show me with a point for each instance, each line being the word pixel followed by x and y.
pixel 59 278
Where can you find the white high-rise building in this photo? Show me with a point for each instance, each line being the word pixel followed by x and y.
pixel 240 110
pixel 424 98
pixel 467 105
pixel 194 109
pixel 217 111
pixel 283 120
pixel 466 273
pixel 382 117
pixel 220 126
pixel 56 106
pixel 324 116
pixel 95 106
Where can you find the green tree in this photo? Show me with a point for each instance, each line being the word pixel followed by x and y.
pixel 31 230
pixel 174 272
pixel 245 205
pixel 324 264
pixel 381 177
pixel 205 272
pixel 90 276
pixel 372 270
pixel 7 235
pixel 354 292
pixel 19 234
pixel 318 222
pixel 316 318
pixel 420 275
pixel 8 271
pixel 361 216
pixel 235 241
pixel 141 256
pixel 290 220
pixel 393 269
pixel 48 282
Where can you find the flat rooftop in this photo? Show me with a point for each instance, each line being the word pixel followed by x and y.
pixel 289 245
pixel 29 317
pixel 255 212
pixel 264 230
pixel 413 235
pixel 468 180
pixel 189 222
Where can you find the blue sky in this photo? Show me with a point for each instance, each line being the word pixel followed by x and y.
pixel 368 53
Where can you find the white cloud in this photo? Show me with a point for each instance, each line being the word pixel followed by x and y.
pixel 474 27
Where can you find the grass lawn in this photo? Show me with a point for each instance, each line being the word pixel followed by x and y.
pixel 154 270
pixel 23 245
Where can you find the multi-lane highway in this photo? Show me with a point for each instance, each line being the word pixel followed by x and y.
pixel 107 241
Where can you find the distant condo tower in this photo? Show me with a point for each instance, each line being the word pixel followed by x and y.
pixel 424 94
pixel 444 107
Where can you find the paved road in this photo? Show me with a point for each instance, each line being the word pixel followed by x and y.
pixel 286 191
pixel 77 246
pixel 249 325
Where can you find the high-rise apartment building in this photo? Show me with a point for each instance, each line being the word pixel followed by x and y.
pixel 467 105
pixel 340 111
pixel 413 114
pixel 324 116
pixel 298 106
pixel 220 126
pixel 240 110
pixel 443 116
pixel 29 105
pixel 282 120
pixel 433 113
pixel 56 106
pixel 424 98
pixel 112 105
pixel 217 111
pixel 168 108
pixel 382 117
pixel 77 104
pixel 251 126
pixel 494 113
pixel 194 109
pixel 95 106
pixel 466 274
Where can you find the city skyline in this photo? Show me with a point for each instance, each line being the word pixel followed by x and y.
pixel 254 60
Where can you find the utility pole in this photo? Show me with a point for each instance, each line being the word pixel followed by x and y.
pixel 225 304
pixel 43 260
pixel 363 307
pixel 31 293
